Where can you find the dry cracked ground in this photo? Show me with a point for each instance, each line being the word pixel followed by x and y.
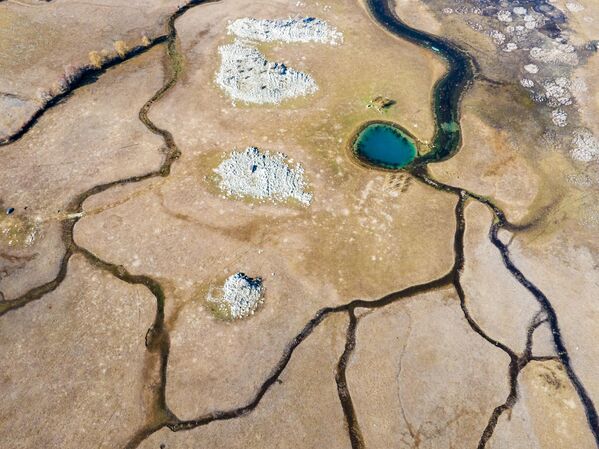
pixel 451 307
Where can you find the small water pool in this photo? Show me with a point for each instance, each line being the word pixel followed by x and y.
pixel 384 145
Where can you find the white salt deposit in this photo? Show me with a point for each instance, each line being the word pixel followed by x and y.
pixel 585 146
pixel 262 176
pixel 240 297
pixel 307 29
pixel 246 75
pixel 530 25
pixel 497 36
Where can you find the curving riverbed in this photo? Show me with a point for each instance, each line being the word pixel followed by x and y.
pixel 447 91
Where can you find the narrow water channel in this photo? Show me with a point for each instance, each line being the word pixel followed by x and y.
pixel 447 93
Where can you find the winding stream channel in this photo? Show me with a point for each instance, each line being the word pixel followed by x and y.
pixel 446 142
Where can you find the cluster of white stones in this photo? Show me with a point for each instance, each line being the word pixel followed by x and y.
pixel 531 68
pixel 497 36
pixel 574 7
pixel 559 117
pixel 585 146
pixel 557 92
pixel 241 296
pixel 246 75
pixel 19 231
pixel 525 82
pixel 555 53
pixel 252 173
pixel 546 72
pixel 504 16
pixel 307 29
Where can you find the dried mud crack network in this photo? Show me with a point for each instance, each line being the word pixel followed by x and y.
pixel 157 337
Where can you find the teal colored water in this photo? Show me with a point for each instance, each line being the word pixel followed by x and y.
pixel 385 145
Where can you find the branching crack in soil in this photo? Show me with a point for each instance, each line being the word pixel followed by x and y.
pixel 157 338
pixel 355 434
pixel 83 76
pixel 517 363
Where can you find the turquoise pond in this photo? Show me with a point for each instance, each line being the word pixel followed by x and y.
pixel 384 145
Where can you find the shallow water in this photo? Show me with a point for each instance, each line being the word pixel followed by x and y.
pixel 385 145
pixel 448 90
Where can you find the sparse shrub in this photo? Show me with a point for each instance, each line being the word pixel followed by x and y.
pixel 43 95
pixel 95 59
pixel 145 41
pixel 121 48
pixel 60 86
pixel 71 73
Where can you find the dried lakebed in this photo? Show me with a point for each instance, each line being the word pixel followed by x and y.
pixel 157 338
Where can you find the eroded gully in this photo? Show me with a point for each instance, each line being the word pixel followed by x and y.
pixel 157 339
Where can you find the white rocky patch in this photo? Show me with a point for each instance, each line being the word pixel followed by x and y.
pixel 559 117
pixel 525 82
pixel 240 296
pixel 578 85
pixel 510 47
pixel 530 25
pixel 519 10
pixel 246 75
pixel 504 16
pixel 557 92
pixel 574 7
pixel 307 29
pixel 558 53
pixel 531 68
pixel 255 174
pixel 497 36
pixel 585 146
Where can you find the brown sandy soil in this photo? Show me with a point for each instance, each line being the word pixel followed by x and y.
pixel 548 414
pixel 497 162
pixel 361 237
pixel 40 41
pixel 563 258
pixel 302 410
pixel 73 364
pixel 94 138
pixel 499 304
pixel 409 373
pixel 417 15
pixel 504 157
